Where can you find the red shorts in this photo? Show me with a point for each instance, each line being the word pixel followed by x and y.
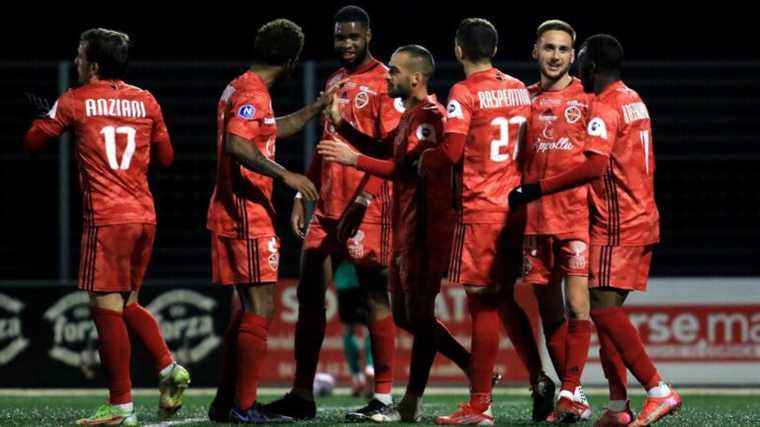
pixel 244 261
pixel 114 258
pixel 620 267
pixel 549 258
pixel 370 246
pixel 486 254
pixel 415 272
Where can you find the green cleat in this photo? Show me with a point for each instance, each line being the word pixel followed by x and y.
pixel 108 415
pixel 172 388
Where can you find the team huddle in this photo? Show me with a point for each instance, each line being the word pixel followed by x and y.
pixel 550 184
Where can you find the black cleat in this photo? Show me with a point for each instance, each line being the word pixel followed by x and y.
pixel 255 415
pixel 543 397
pixel 292 406
pixel 219 412
pixel 375 411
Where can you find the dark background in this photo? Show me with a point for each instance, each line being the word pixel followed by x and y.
pixel 697 70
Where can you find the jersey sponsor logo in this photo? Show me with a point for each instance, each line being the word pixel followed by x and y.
pixel 503 98
pixel 596 127
pixel 361 100
pixel 187 324
pixel 562 144
pixel 274 254
pixel 114 108
pixel 426 132
pixel 74 333
pixel 356 245
pixel 398 104
pixel 573 114
pixel 454 110
pixel 12 340
pixel 247 111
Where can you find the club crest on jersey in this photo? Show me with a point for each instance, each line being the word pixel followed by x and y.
pixel 247 111
pixel 596 127
pixel 572 114
pixel 361 100
pixel 187 322
pixel 454 110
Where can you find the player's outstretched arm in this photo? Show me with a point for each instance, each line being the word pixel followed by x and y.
pixel 246 153
pixel 340 152
pixel 448 153
pixel 293 123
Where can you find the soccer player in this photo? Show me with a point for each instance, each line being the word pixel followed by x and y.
pixel 363 235
pixel 624 223
pixel 119 128
pixel 486 118
pixel 556 232
pixel 422 215
pixel 244 244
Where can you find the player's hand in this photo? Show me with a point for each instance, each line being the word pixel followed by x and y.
pixel 332 112
pixel 298 217
pixel 325 98
pixel 524 194
pixel 352 217
pixel 301 184
pixel 337 151
pixel 37 106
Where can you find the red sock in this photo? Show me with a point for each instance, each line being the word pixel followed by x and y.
pixel 142 323
pixel 252 348
pixel 450 348
pixel 520 332
pixel 225 393
pixel 555 343
pixel 485 348
pixel 614 368
pixel 577 343
pixel 615 323
pixel 115 353
pixel 383 337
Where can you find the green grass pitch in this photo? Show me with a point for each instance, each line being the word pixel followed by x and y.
pixel 59 410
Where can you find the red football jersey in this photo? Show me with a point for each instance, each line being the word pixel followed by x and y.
pixel 241 205
pixel 623 209
pixel 366 106
pixel 492 109
pixel 556 142
pixel 114 124
pixel 422 211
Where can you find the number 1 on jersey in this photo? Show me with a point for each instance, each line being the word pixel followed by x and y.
pixel 109 133
pixel 503 141
pixel 645 142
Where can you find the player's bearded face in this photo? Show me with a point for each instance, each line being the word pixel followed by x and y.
pixel 398 78
pixel 351 40
pixel 555 55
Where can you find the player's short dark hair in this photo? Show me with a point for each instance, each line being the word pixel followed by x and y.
pixel 109 49
pixel 278 42
pixel 606 52
pixel 424 62
pixel 555 24
pixel 352 14
pixel 478 38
